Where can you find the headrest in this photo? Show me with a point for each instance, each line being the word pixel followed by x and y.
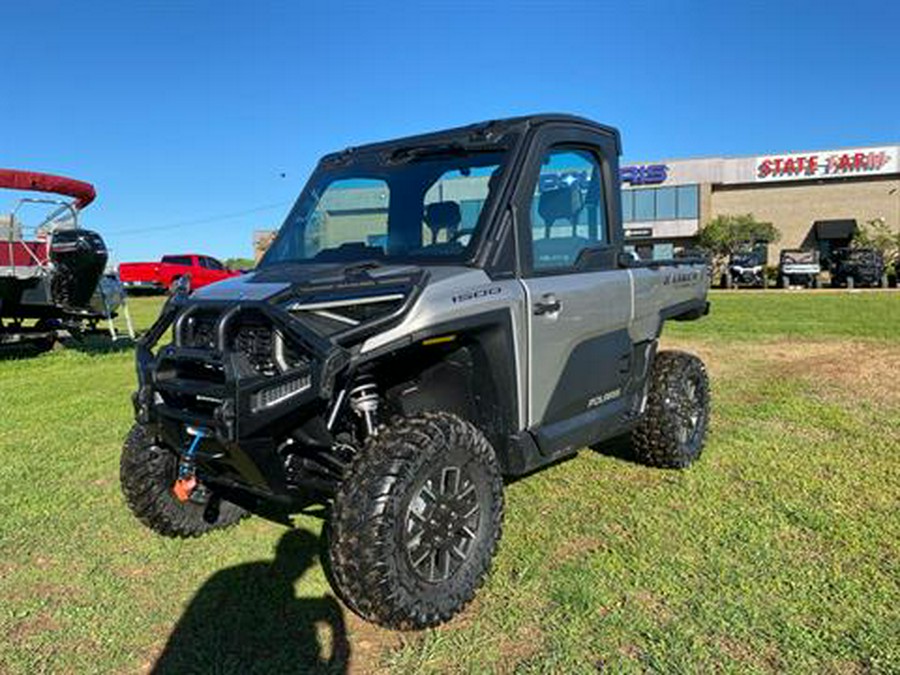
pixel 441 215
pixel 562 203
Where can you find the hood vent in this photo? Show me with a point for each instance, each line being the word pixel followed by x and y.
pixel 337 315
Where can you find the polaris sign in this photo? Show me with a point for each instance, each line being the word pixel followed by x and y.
pixel 643 174
pixel 639 174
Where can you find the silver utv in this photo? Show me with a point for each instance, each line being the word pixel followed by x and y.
pixel 437 313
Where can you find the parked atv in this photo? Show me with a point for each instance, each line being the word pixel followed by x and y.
pixel 746 270
pixel 858 267
pixel 799 268
pixel 436 313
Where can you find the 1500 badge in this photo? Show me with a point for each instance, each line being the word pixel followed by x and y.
pixel 476 294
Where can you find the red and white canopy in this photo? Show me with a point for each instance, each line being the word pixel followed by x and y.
pixel 14 179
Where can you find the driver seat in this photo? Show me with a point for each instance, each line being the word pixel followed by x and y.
pixel 443 216
pixel 562 203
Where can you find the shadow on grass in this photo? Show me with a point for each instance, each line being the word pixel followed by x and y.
pixel 619 447
pixel 247 619
pixel 98 345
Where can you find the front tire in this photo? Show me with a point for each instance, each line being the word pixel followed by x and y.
pixel 673 430
pixel 416 522
pixel 147 472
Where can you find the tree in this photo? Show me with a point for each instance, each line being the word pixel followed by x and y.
pixel 239 263
pixel 878 235
pixel 726 235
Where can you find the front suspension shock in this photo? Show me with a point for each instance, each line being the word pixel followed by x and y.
pixel 364 401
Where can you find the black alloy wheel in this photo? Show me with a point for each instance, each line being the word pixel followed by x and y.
pixel 442 522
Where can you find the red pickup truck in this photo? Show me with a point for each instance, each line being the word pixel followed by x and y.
pixel 159 276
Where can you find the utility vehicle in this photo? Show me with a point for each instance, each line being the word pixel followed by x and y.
pixel 436 314
pixel 747 269
pixel 797 267
pixel 855 267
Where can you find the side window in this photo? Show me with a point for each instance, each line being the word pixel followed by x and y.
pixel 213 264
pixel 177 260
pixel 568 209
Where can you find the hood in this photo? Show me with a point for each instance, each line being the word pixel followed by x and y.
pixel 339 278
pixel 336 299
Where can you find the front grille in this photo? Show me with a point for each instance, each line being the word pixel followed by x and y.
pixel 249 333
pixel 256 342
pixel 200 330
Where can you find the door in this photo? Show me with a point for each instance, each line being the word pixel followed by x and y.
pixel 215 271
pixel 579 347
pixel 206 272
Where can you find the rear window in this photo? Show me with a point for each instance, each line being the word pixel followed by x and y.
pixel 177 260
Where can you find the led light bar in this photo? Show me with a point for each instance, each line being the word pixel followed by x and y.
pixel 271 396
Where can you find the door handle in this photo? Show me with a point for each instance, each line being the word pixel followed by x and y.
pixel 548 304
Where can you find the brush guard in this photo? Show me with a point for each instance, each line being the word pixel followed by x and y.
pixel 218 388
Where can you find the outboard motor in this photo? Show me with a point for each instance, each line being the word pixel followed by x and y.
pixel 79 257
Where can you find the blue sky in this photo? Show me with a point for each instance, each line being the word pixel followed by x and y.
pixel 185 115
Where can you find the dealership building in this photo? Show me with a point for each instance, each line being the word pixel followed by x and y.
pixel 815 199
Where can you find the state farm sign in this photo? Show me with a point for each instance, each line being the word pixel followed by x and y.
pixel 828 164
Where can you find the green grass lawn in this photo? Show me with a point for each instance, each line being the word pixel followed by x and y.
pixel 779 551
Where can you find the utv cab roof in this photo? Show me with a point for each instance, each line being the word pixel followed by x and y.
pixel 479 134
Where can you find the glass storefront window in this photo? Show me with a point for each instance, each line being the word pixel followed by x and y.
pixel 663 251
pixel 687 201
pixel 644 205
pixel 665 203
pixel 627 206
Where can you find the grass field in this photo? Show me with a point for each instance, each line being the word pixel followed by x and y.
pixel 778 552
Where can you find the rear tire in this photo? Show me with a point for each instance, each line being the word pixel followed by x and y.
pixel 416 522
pixel 147 472
pixel 673 430
pixel 173 285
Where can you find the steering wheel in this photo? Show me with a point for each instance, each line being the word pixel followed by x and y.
pixel 461 237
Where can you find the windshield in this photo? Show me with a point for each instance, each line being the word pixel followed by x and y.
pixel 746 260
pixel 424 204
pixel 799 257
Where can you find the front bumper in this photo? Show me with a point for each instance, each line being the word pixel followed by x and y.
pixel 214 375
